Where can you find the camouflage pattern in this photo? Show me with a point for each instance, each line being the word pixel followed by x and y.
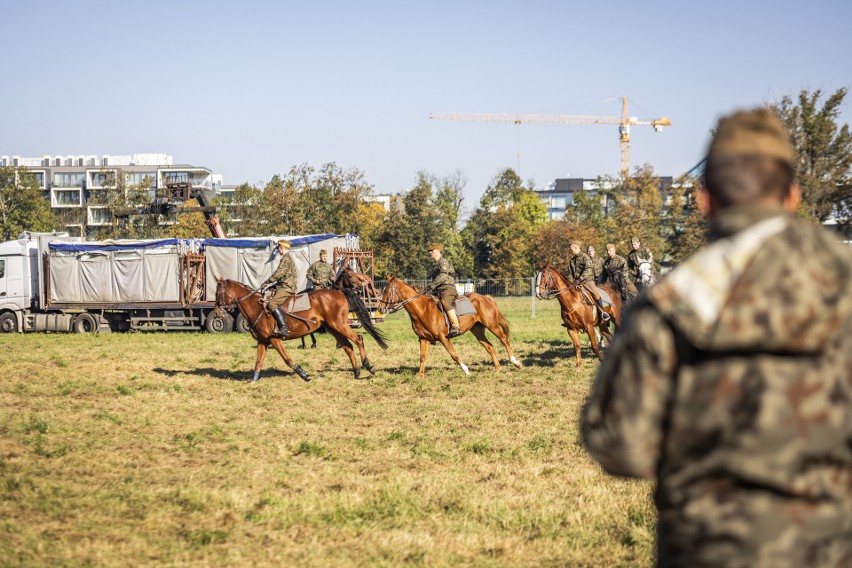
pixel 597 267
pixel 730 385
pixel 321 274
pixel 611 266
pixel 443 282
pixel 580 268
pixel 284 280
pixel 633 260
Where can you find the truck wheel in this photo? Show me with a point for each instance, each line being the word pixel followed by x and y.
pixel 8 323
pixel 219 324
pixel 85 323
pixel 242 325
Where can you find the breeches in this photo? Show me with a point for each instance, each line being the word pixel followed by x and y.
pixel 593 290
pixel 448 296
pixel 279 298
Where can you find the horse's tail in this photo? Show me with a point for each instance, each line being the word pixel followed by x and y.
pixel 357 305
pixel 501 319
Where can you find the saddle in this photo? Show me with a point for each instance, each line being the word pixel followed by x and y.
pixel 298 303
pixel 462 304
pixel 605 297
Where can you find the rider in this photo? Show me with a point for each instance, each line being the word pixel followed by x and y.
pixel 597 264
pixel 614 264
pixel 580 269
pixel 443 284
pixel 284 280
pixel 637 256
pixel 321 273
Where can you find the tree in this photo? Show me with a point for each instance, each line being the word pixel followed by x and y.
pixel 117 195
pixel 823 154
pixel 685 225
pixel 639 212
pixel 501 231
pixel 22 206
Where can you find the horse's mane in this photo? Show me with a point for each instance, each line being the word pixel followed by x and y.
pixel 564 276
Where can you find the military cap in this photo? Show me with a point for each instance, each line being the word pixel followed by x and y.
pixel 284 243
pixel 634 239
pixel 323 251
pixel 436 246
pixel 752 132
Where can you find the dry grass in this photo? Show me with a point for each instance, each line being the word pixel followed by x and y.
pixel 146 449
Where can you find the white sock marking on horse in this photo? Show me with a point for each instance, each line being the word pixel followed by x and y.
pixel 515 361
pixel 464 368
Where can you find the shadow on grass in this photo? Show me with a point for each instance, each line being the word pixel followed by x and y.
pixel 549 353
pixel 224 375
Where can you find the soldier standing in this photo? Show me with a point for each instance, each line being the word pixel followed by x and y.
pixel 597 264
pixel 284 281
pixel 321 273
pixel 580 269
pixel 637 256
pixel 730 384
pixel 615 264
pixel 443 284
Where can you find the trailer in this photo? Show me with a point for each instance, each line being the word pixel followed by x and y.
pixel 53 282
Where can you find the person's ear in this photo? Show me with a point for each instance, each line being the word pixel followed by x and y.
pixel 793 199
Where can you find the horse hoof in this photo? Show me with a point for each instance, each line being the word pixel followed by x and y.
pixel 514 360
pixel 256 377
pixel 314 346
pixel 302 374
pixel 371 370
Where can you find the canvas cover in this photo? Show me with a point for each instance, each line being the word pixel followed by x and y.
pixel 116 272
pixel 251 261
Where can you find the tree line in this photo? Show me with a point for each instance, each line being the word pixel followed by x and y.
pixel 507 234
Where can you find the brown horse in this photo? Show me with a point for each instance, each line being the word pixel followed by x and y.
pixel 329 308
pixel 430 325
pixel 578 313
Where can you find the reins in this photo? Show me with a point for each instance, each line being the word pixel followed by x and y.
pixel 396 306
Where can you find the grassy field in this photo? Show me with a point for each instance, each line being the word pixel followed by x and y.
pixel 146 449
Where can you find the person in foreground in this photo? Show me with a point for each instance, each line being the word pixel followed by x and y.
pixel 730 383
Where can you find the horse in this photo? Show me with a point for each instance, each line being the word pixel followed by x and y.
pixel 429 324
pixel 646 273
pixel 328 308
pixel 578 313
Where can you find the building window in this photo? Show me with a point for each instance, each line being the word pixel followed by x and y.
pixel 68 179
pixel 559 202
pixel 141 179
pixel 99 216
pixel 103 179
pixel 66 198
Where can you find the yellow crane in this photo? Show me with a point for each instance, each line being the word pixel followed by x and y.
pixel 624 122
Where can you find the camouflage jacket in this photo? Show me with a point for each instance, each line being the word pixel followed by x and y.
pixel 597 266
pixel 635 257
pixel 321 274
pixel 612 265
pixel 730 385
pixel 284 277
pixel 580 268
pixel 443 274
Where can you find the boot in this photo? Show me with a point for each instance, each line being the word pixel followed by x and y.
pixel 454 322
pixel 281 319
pixel 604 316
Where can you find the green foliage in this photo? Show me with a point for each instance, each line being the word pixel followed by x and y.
pixel 501 232
pixel 22 205
pixel 824 153
pixel 685 226
pixel 120 195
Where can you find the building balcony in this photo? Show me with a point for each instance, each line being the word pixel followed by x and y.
pixel 66 197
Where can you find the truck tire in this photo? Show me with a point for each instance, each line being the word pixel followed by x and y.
pixel 219 324
pixel 242 325
pixel 85 323
pixel 8 323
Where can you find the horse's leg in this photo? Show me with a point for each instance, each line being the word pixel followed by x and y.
pixel 452 351
pixel 575 337
pixel 313 341
pixel 261 353
pixel 363 352
pixel 278 345
pixel 344 342
pixel 478 331
pixel 500 329
pixel 303 342
pixel 593 340
pixel 424 349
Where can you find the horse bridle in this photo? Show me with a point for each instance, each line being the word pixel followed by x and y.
pixel 393 307
pixel 548 292
pixel 230 297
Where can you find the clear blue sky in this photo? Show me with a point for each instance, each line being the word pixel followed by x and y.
pixel 250 88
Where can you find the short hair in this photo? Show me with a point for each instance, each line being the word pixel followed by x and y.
pixel 739 179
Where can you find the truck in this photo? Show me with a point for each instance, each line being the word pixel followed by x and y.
pixel 54 282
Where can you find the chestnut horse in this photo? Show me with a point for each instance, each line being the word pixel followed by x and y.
pixel 429 324
pixel 329 308
pixel 578 313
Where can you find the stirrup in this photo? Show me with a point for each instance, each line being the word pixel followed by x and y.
pixel 605 317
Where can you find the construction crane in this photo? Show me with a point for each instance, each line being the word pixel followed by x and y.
pixel 624 122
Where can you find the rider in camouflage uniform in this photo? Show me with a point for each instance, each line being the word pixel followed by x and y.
pixel 321 273
pixel 615 264
pixel 730 384
pixel 284 281
pixel 597 264
pixel 443 284
pixel 636 257
pixel 582 274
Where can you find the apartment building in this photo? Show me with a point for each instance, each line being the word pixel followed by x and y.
pixel 74 182
pixel 560 194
